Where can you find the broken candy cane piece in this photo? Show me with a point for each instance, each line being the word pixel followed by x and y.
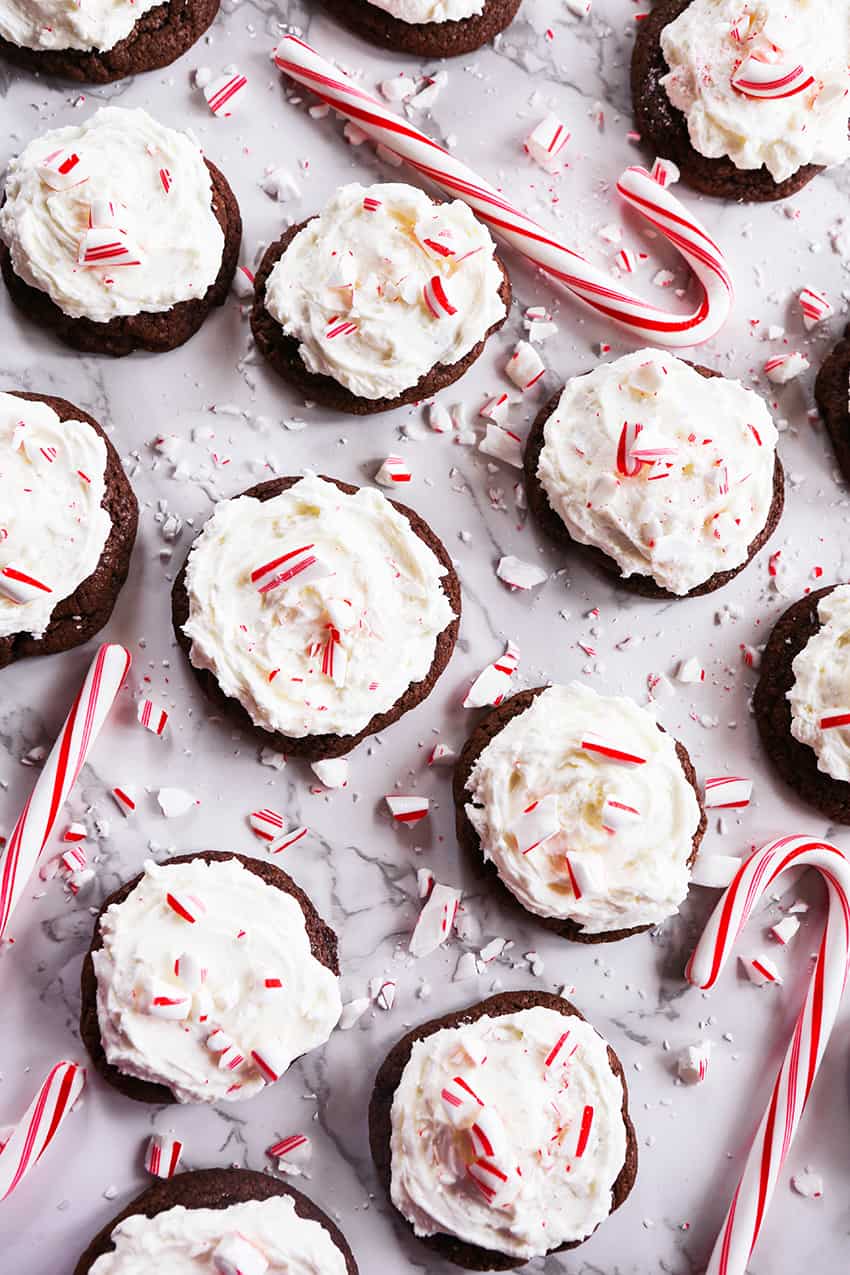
pixel 236 1255
pixel 332 772
pixel 301 565
pixel 63 169
pixel 692 1064
pixel 727 792
pixel 162 1155
pixel 587 874
pixel 152 717
pixel 783 368
pixel 435 921
pixel 393 470
pixel 537 823
pixel 174 802
pixel 461 1103
pixel 271 1059
pixel 525 366
pixel 714 871
pixel 407 809
pixel 665 172
pixel 546 141
pixel 382 991
pixel 125 800
pixel 503 444
pixel 496 409
pixel 815 307
pixel 487 1134
pixel 267 824
pixel 187 906
pixel 441 755
pixel 518 574
pixel 222 92
pixel 74 832
pixel 293 1153
pixel 808 1183
pixel 492 683
pixel 610 750
pixel 164 1000
pixel 619 814
pixel 690 671
pixel 783 931
pixel 288 839
pixel 760 970
pixel 19 587
pixel 760 79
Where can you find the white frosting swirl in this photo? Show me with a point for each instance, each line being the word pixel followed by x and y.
pixel 376 604
pixel 246 931
pixel 693 512
pixel 70 24
pixel 53 527
pixel 182 1241
pixel 561 1163
pixel 635 874
pixel 430 10
pixel 821 690
pixel 351 287
pixel 781 133
pixel 173 232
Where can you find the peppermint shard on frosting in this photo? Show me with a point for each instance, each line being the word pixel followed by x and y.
pixel 584 808
pixel 385 285
pixel 183 977
pixel 508 1133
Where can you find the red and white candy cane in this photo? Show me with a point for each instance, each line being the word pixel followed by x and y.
pixel 67 757
pixel 34 1133
pixel 588 282
pixel 767 1154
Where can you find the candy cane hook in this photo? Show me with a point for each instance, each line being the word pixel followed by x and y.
pixel 591 284
pixel 805 1052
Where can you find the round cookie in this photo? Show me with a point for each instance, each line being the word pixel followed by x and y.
pixel 664 129
pixel 315 747
pixel 796 761
pixel 446 39
pixel 390 330
pixel 488 729
pixel 85 611
pixel 161 35
pixel 645 585
pixel 832 388
pixel 195 255
pixel 474 1256
pixel 214 1189
pixel 322 946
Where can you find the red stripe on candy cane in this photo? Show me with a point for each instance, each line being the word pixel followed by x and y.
pixel 760 79
pixel 33 1134
pixel 834 721
pixel 591 744
pixel 779 1124
pixel 591 284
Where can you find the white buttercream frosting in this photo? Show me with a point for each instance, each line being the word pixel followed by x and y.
pixel 603 868
pixel 246 932
pixel 334 645
pixel 160 192
pixel 430 10
pixel 70 24
pixel 556 1130
pixel 821 690
pixel 694 506
pixel 53 527
pixel 182 1241
pixel 710 41
pixel 351 287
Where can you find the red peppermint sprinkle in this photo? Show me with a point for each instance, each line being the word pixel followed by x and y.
pixel 165 179
pixel 584 1132
pixel 556 1049
pixel 371 204
pixel 340 327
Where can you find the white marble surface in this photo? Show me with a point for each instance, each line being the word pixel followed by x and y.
pixel 357 867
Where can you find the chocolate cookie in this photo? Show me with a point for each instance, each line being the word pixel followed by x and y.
pixel 449 1247
pixel 319 747
pixel 487 729
pixel 664 129
pixel 147 330
pixel 795 762
pixel 425 39
pixel 83 613
pixel 323 945
pixel 549 521
pixel 282 350
pixel 831 393
pixel 213 1189
pixel 159 37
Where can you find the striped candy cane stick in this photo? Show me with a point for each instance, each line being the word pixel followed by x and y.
pixel 799 1068
pixel 66 760
pixel 34 1133
pixel 591 284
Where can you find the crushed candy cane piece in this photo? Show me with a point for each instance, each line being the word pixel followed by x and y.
pixel 715 871
pixel 266 823
pixel 18 587
pixel 162 1155
pixel 815 307
pixel 174 802
pixel 125 799
pixel 496 409
pixel 236 1255
pixel 332 772
pixel 537 823
pixel 546 141
pixel 503 444
pixel 393 470
pixel 783 368
pixel 808 1184
pixel 727 792
pixel 152 717
pixel 441 755
pixel 665 172
pixel 407 809
pixel 75 832
pixel 518 574
pixel 692 1064
pixel 435 921
pixel 690 671
pixel 293 1154
pixel 586 874
pixel 783 931
pixel 525 366
pixel 760 970
pixel 63 169
pixel 492 683
pixel 222 93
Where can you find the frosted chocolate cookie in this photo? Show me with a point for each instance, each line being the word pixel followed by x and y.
pixel 68 521
pixel 502 1132
pixel 100 40
pixel 117 234
pixel 802 701
pixel 218 1220
pixel 832 395
pixel 426 28
pixel 750 101
pixel 666 474
pixel 316 613
pixel 208 975
pixel 586 810
pixel 383 299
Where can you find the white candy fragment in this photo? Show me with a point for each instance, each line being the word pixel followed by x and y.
pixel 692 1064
pixel 435 921
pixel 332 772
pixel 518 574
